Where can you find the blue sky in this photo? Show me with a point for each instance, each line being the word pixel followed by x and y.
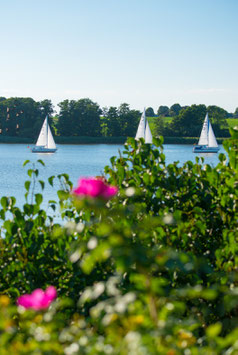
pixel 143 52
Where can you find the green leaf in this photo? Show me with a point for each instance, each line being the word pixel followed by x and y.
pixel 214 330
pixel 146 178
pixel 42 184
pixel 63 195
pixel 51 180
pixel 12 201
pixel 41 162
pixel 4 202
pixel 27 185
pixel 158 141
pixel 8 226
pixel 26 162
pixel 29 172
pixel 53 207
pixel 38 198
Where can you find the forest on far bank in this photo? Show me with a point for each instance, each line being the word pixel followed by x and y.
pixel 23 117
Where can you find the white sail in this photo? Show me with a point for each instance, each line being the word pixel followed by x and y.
pixel 50 142
pixel 212 142
pixel 148 135
pixel 42 139
pixel 143 130
pixel 45 142
pixel 207 142
pixel 204 133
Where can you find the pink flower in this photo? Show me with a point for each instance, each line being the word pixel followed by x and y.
pixel 95 187
pixel 38 299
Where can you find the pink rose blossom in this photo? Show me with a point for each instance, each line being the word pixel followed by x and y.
pixel 95 187
pixel 38 299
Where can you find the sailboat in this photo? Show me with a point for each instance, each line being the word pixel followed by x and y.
pixel 143 130
pixel 207 142
pixel 45 142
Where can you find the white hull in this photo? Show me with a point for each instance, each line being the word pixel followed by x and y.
pixel 43 150
pixel 205 149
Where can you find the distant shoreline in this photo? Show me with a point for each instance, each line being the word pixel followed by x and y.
pixel 99 140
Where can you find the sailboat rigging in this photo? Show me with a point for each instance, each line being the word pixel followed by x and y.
pixel 143 130
pixel 45 142
pixel 207 142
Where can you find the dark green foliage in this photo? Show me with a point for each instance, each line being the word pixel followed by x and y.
pixel 129 120
pixel 236 113
pixel 174 110
pixel 189 121
pixel 149 112
pixel 79 118
pixel 23 117
pixel 112 121
pixel 90 140
pixel 163 111
pixel 153 271
pixel 218 117
pixel 121 121
pixel 186 140
pixel 160 127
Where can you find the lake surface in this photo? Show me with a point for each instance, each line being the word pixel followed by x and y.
pixel 75 160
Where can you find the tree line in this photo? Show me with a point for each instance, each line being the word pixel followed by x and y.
pixel 187 122
pixel 174 110
pixel 23 117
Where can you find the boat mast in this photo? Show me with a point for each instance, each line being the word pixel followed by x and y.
pixel 208 127
pixel 46 131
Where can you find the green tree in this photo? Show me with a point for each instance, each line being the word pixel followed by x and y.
pixel 112 121
pixel 128 120
pixel 189 121
pixel 163 111
pixel 159 127
pixel 174 110
pixel 79 118
pixel 64 124
pixel 216 111
pixel 236 113
pixel 149 112
pixel 218 118
pixel 47 108
pixel 20 117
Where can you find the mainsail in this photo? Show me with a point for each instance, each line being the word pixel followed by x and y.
pixel 204 133
pixel 42 139
pixel 207 136
pixel 45 138
pixel 141 128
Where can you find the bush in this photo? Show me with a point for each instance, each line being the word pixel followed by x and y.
pixel 90 140
pixel 151 271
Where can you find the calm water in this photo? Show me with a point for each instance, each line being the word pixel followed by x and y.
pixel 75 160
